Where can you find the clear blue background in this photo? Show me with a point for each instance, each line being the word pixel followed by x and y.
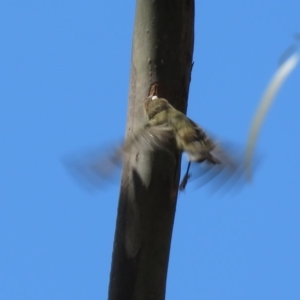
pixel 64 76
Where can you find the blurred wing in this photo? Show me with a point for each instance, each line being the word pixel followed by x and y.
pixel 150 138
pixel 229 173
pixel 94 169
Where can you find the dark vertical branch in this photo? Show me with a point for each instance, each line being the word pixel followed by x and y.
pixel 161 64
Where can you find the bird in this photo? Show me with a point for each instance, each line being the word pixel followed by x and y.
pixel 166 129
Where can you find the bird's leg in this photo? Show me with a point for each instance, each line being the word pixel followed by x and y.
pixel 185 178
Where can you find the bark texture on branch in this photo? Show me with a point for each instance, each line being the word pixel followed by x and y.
pixel 161 65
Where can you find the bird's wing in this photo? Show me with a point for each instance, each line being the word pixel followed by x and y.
pixel 150 138
pixel 230 172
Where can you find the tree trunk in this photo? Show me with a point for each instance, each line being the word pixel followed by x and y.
pixel 161 65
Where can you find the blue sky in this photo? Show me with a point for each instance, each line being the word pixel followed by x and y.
pixel 64 76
